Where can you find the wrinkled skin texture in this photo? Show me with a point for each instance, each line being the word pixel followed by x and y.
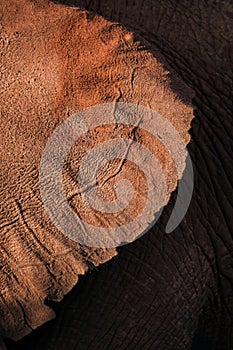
pixel 169 291
pixel 50 70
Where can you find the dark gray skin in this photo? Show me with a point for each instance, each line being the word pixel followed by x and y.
pixel 168 291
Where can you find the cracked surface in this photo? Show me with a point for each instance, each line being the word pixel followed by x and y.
pixel 54 62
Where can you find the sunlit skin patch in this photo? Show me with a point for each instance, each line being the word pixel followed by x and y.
pixel 129 136
pixel 110 174
pixel 107 191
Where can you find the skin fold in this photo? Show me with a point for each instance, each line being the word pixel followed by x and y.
pixel 168 291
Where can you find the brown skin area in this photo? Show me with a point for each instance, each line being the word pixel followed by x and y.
pixel 168 291
pixel 56 61
pixel 164 289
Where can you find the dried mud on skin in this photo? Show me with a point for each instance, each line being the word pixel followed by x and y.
pixel 54 62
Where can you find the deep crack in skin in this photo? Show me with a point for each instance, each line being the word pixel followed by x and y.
pixel 106 178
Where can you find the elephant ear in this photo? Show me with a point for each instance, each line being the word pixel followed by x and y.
pixel 56 61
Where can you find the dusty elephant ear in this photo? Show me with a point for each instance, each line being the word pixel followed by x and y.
pixel 56 61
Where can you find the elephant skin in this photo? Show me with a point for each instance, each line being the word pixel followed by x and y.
pixel 168 291
pixel 56 61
